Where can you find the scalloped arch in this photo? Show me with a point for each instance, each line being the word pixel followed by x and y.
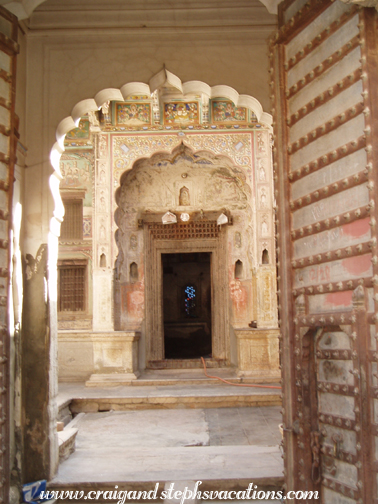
pixel 164 77
pixel 170 156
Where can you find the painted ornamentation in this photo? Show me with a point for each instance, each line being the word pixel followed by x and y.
pixel 224 112
pixel 132 114
pixel 177 113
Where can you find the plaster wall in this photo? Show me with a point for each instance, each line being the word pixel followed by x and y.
pixel 65 66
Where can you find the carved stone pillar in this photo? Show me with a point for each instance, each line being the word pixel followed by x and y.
pixel 38 372
pixel 102 267
pixel 265 254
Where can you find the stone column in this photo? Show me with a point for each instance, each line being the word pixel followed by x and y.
pixel 266 260
pixel 40 447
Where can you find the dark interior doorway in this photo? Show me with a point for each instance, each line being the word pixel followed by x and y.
pixel 187 305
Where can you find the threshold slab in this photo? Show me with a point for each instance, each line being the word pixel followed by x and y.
pixel 221 465
pixel 84 399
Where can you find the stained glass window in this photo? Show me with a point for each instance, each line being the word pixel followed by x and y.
pixel 190 296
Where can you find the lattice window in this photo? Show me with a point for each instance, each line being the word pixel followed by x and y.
pixel 71 287
pixel 72 225
pixel 181 231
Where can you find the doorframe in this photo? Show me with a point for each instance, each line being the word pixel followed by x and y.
pixel 154 248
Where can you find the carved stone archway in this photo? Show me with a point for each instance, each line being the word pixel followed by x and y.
pixel 142 202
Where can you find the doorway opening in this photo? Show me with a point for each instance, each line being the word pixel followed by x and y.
pixel 187 305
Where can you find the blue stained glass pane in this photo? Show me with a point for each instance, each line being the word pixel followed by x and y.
pixel 190 292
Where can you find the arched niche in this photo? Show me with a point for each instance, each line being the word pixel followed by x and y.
pixel 146 193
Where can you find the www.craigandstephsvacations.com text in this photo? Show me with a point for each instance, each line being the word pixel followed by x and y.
pixel 179 496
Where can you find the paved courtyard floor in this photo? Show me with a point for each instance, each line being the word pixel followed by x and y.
pixel 174 445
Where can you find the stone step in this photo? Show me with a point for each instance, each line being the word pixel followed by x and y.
pixel 161 377
pixel 66 439
pixel 64 412
pixel 158 402
pixel 217 467
pixel 83 399
pixel 67 436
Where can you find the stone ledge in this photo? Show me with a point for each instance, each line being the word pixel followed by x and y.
pixel 111 379
pixel 90 405
pixel 259 332
pixel 91 336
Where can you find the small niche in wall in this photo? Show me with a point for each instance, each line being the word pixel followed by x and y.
pixel 265 257
pixel 103 261
pixel 184 198
pixel 134 275
pixel 238 269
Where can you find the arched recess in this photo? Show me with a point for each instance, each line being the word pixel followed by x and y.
pixel 146 192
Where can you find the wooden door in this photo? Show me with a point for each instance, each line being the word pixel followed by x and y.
pixel 324 66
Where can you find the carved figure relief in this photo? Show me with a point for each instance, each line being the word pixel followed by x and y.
pixel 184 198
pixel 238 239
pixel 262 173
pixel 102 146
pixel 102 230
pixel 102 177
pixel 263 198
pixel 93 120
pixel 200 197
pixel 264 226
pixel 267 299
pixel 105 108
pixel 102 202
pixel 261 143
pixel 133 242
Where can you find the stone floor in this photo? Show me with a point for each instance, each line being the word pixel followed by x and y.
pixel 225 448
pixel 162 445
pixel 256 426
